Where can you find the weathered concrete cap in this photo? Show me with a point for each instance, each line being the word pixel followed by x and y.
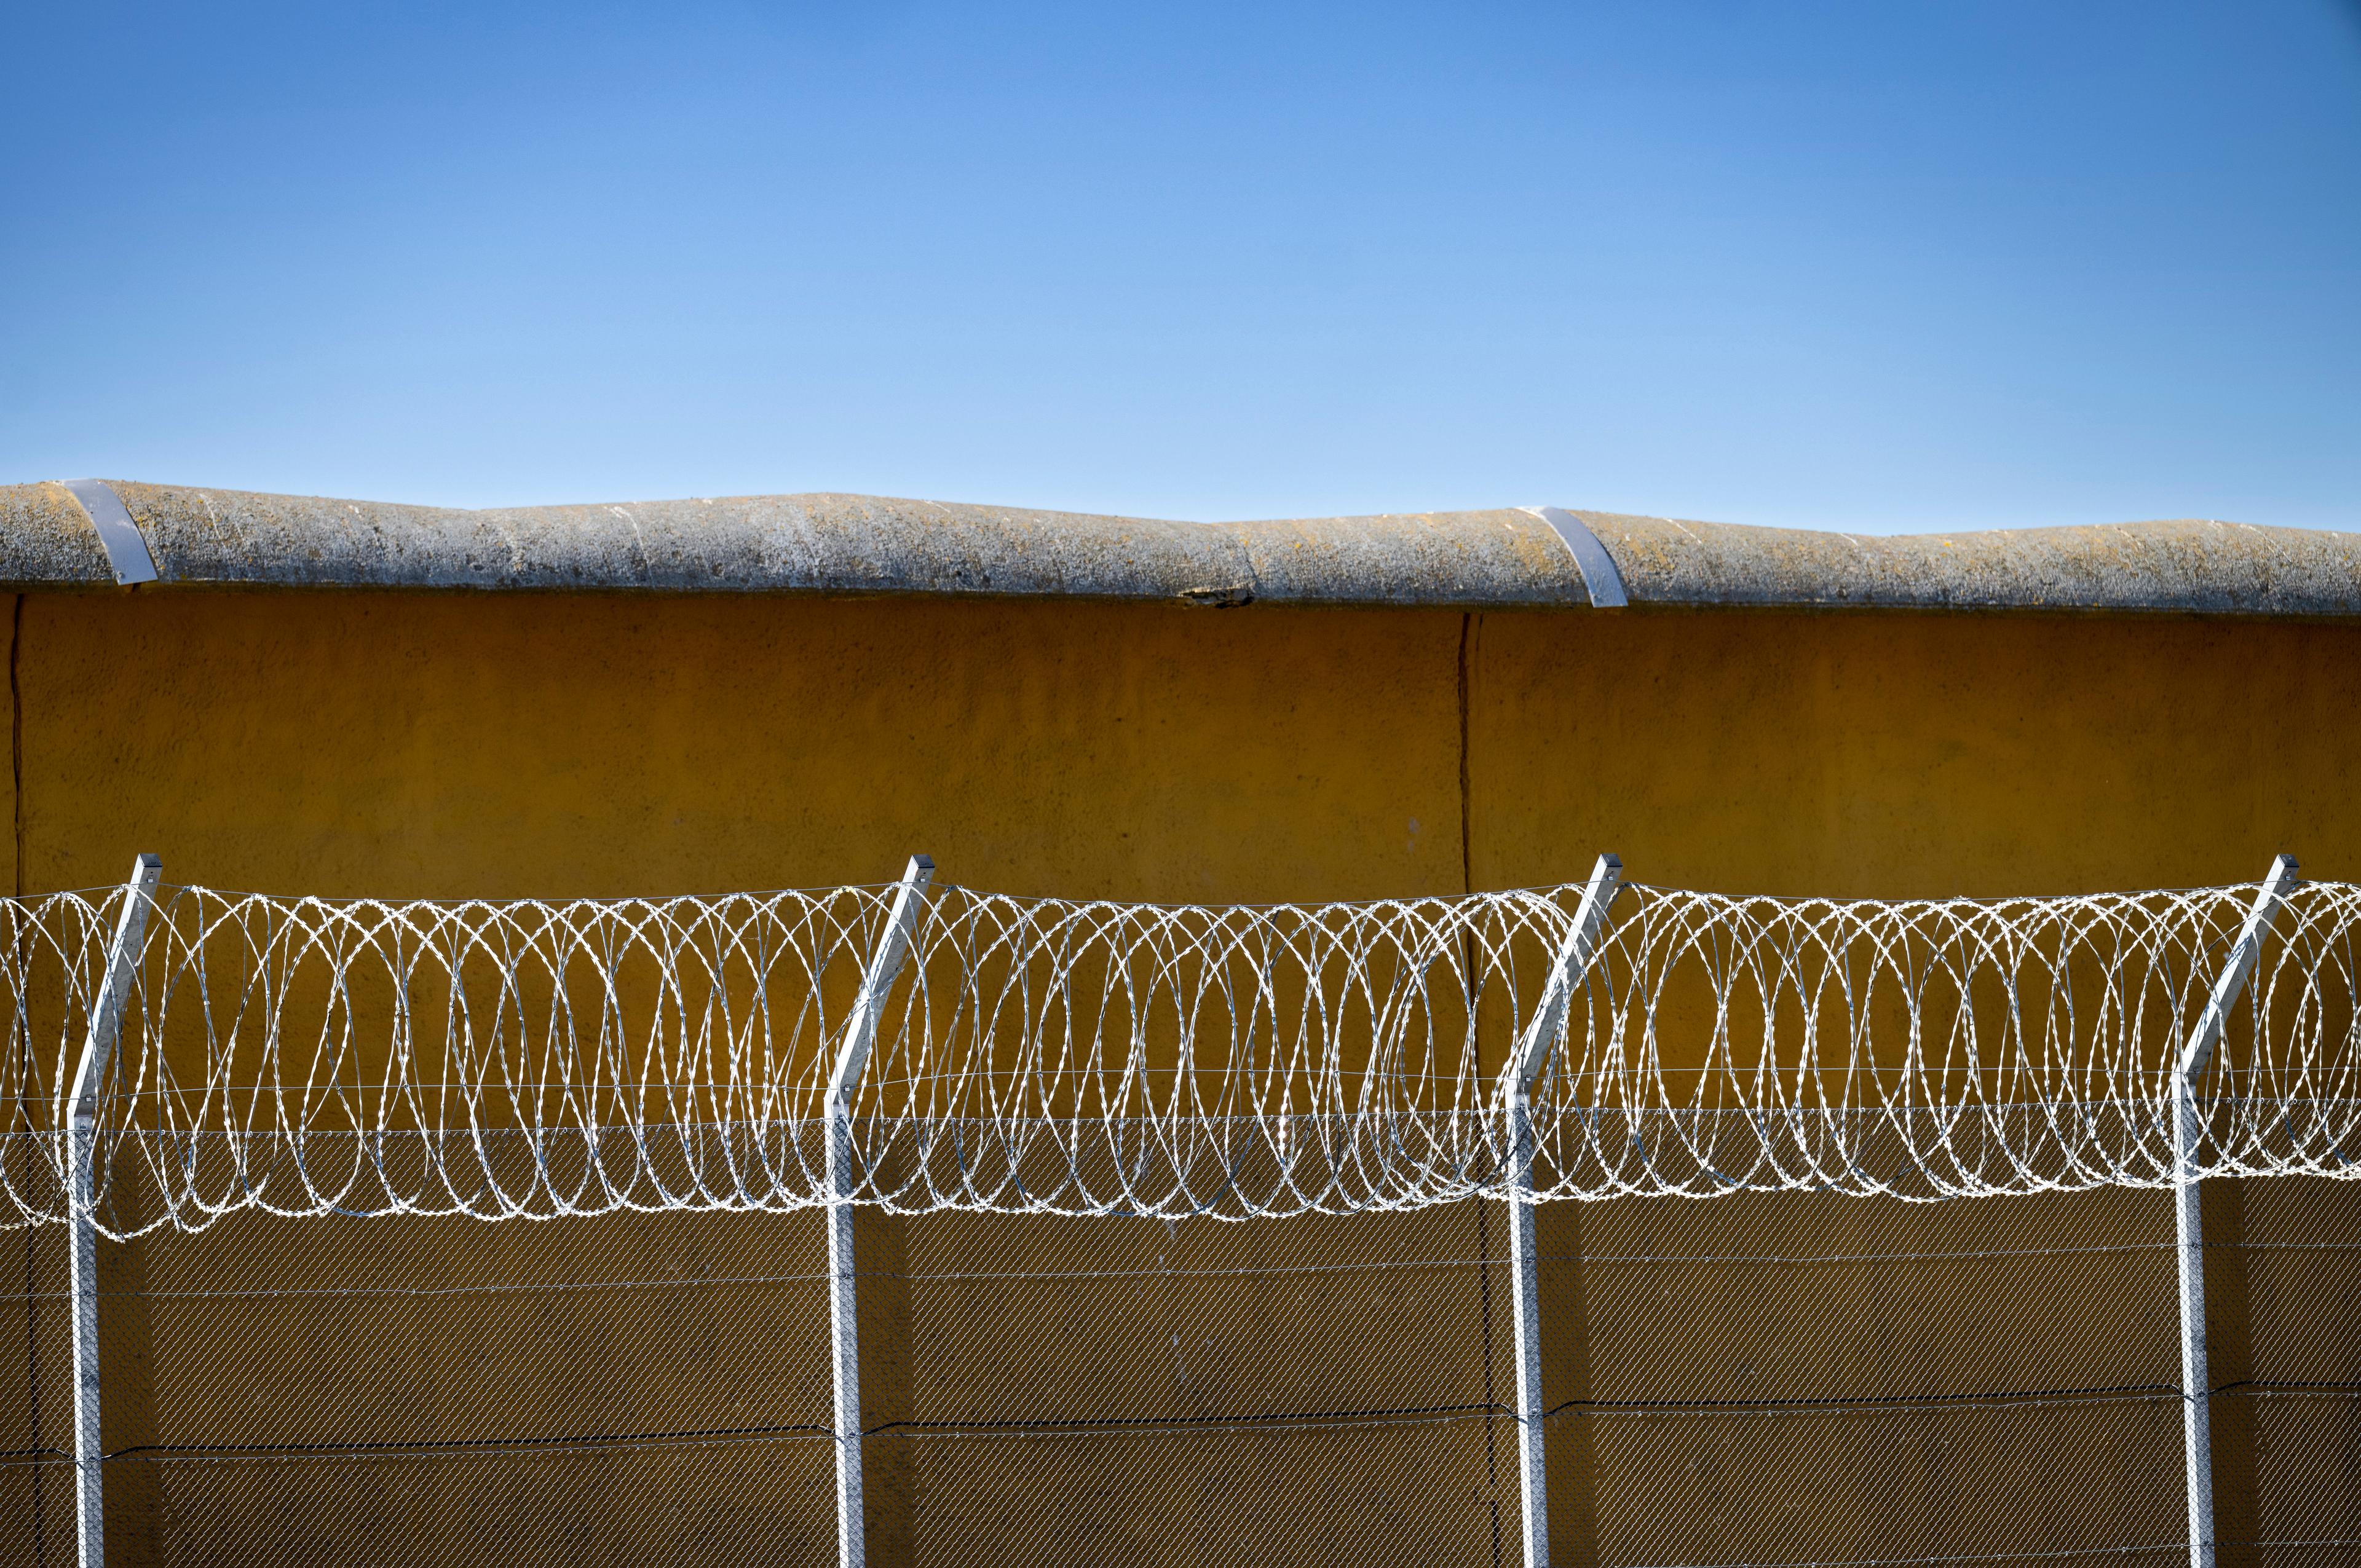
pixel 860 544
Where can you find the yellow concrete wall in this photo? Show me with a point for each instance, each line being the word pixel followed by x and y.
pixel 413 745
pixel 1912 755
pixel 528 745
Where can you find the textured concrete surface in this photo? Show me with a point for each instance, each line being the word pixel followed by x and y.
pixel 46 540
pixel 401 743
pixel 1471 560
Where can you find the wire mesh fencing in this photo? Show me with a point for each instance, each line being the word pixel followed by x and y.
pixel 644 1388
pixel 1782 1379
pixel 1765 1378
pixel 36 1514
pixel 2283 1272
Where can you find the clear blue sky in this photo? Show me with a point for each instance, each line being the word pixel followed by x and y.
pixel 1880 266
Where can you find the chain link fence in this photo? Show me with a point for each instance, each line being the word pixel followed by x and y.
pixel 1765 1378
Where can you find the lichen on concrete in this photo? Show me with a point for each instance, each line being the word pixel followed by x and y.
pixel 863 545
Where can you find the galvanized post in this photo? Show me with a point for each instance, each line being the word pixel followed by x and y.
pixel 1532 1482
pixel 81 1188
pixel 844 1334
pixel 2196 1385
pixel 1571 967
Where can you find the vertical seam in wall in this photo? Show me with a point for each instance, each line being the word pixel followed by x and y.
pixel 16 741
pixel 24 1077
pixel 1467 628
pixel 1467 849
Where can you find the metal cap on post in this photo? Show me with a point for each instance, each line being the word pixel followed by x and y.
pixel 851 1060
pixel 115 987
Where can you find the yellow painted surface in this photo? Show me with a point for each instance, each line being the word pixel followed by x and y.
pixel 1872 755
pixel 516 745
pixel 536 746
pixel 528 745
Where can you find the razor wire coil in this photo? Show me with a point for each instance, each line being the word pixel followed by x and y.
pixel 541 1058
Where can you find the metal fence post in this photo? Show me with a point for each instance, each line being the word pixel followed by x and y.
pixel 1567 971
pixel 82 1197
pixel 845 1333
pixel 2196 1385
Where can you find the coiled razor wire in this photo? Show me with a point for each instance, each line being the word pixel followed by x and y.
pixel 535 1058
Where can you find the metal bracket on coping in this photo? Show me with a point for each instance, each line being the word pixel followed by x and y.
pixel 1600 576
pixel 125 546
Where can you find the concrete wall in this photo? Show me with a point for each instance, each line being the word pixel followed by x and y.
pixel 525 744
pixel 528 744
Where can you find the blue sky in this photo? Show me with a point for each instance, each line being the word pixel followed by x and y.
pixel 1883 266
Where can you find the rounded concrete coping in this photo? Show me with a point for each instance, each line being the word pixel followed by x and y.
pixel 860 544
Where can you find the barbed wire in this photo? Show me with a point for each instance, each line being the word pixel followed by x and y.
pixel 535 1058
